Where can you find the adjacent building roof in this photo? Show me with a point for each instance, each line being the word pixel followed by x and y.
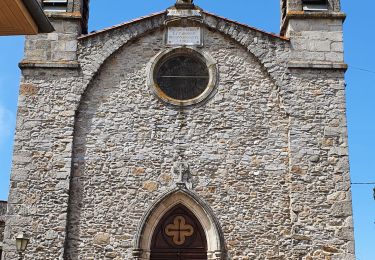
pixel 19 17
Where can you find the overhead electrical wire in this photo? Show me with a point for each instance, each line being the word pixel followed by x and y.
pixel 365 70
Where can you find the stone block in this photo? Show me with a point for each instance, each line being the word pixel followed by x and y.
pixel 102 239
pixel 337 47
pixel 342 209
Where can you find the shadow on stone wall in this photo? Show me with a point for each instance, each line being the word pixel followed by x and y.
pixel 3 210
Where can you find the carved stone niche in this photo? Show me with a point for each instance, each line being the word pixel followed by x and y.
pixel 182 174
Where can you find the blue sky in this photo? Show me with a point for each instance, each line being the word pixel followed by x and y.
pixel 359 53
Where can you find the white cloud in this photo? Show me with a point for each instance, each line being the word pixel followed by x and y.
pixel 6 123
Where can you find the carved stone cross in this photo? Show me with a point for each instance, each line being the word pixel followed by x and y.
pixel 179 230
pixel 181 172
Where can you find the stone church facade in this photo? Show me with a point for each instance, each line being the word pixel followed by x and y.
pixel 183 135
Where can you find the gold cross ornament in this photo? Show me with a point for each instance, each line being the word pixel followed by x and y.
pixel 179 230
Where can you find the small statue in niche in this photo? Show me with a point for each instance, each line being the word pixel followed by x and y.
pixel 182 174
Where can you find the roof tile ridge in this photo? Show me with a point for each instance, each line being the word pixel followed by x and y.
pixel 247 26
pixel 114 27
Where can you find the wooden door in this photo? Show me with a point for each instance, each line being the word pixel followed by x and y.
pixel 179 236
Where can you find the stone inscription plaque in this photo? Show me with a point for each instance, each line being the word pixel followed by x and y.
pixel 183 13
pixel 184 36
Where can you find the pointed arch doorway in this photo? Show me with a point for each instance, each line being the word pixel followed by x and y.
pixel 195 208
pixel 179 236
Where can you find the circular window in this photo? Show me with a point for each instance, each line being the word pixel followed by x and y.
pixel 183 76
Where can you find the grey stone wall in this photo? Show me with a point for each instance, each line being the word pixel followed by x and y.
pixel 3 210
pixel 301 25
pixel 123 159
pixel 74 5
pixel 38 198
pixel 296 5
pixel 316 40
pixel 58 46
pixel 268 152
